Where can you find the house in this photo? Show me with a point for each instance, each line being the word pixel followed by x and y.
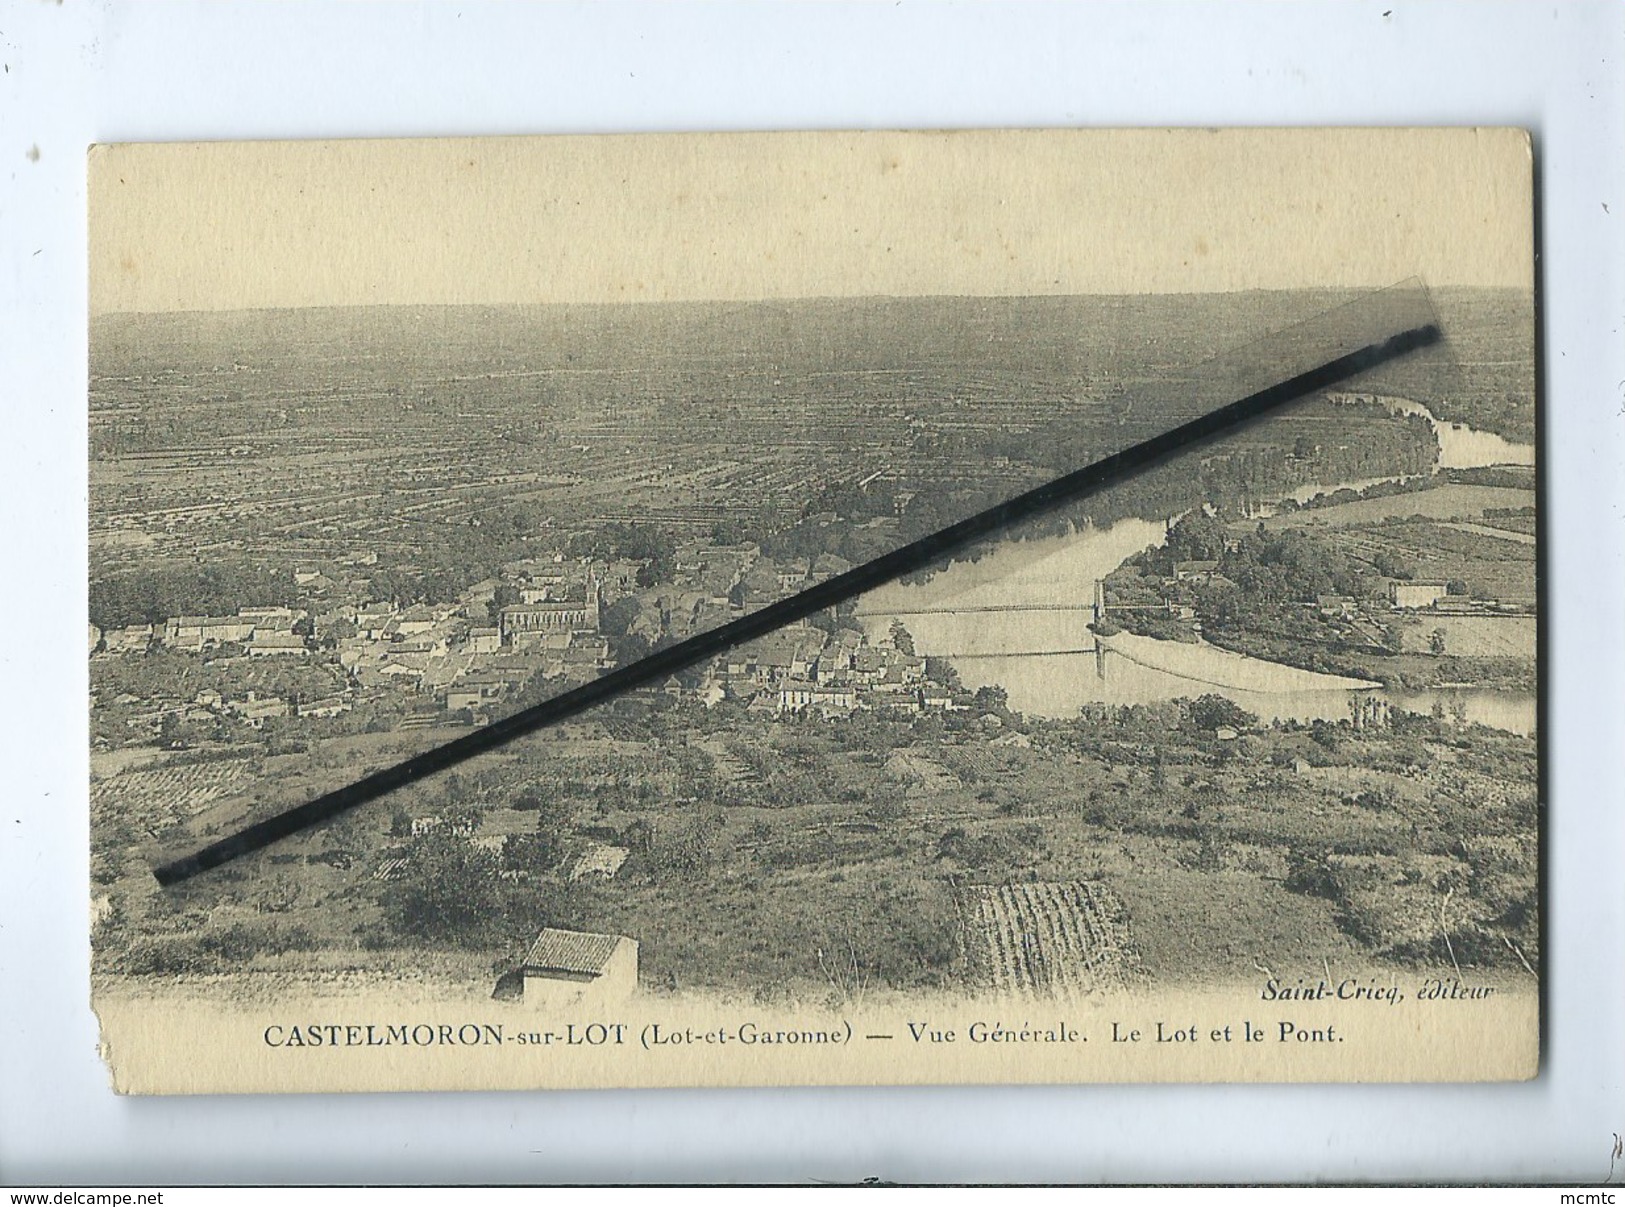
pixel 373 619
pixel 541 592
pixel 265 644
pixel 1342 606
pixel 404 666
pixel 134 638
pixel 184 632
pixel 481 593
pixel 793 573
pixel 620 577
pixel 829 565
pixel 794 695
pixel 463 827
pixel 330 706
pixel 433 643
pixel 217 629
pixel 1186 571
pixel 868 665
pixel 587 647
pixel 484 640
pixel 772 659
pixel 831 698
pixel 354 651
pixel 467 695
pixel 416 619
pixel 269 617
pixel 255 710
pixel 1416 595
pixel 908 668
pixel 564 967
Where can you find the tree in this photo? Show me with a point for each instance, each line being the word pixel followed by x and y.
pixel 1436 642
pixel 1212 711
pixel 688 843
pixel 544 848
pixel 171 731
pixel 902 638
pixel 992 698
pixel 1391 565
pixel 629 648
pixel 1197 537
pixel 450 889
pixel 505 596
pixel 1456 586
pixel 617 619
pixel 728 532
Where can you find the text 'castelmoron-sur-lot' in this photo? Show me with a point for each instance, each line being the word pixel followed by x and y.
pixel 655 1036
pixel 568 1035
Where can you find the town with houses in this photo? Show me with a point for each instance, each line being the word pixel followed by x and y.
pixel 540 622
pixel 540 626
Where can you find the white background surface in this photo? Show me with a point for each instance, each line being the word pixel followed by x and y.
pixel 77 73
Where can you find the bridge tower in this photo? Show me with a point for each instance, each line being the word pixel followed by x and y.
pixel 1100 599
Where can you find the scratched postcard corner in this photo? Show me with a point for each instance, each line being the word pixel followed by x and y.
pixel 793 609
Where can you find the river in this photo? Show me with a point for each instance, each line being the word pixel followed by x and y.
pixel 1018 618
pixel 1461 446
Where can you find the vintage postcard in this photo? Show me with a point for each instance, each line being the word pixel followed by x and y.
pixel 1228 772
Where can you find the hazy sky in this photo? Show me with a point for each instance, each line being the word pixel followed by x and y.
pixel 667 217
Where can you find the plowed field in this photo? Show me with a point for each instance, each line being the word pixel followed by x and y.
pixel 1048 938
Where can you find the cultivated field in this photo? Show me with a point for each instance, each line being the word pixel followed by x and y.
pixel 1048 938
pixel 1473 636
pixel 160 798
pixel 1441 503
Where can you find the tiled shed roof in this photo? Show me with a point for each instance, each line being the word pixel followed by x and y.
pixel 571 951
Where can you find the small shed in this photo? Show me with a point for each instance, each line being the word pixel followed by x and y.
pixel 570 966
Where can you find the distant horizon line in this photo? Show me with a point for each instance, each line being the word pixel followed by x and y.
pixel 645 303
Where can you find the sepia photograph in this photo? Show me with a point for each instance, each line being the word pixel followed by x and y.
pixel 1224 768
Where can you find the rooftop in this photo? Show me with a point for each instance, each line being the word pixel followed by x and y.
pixel 571 951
